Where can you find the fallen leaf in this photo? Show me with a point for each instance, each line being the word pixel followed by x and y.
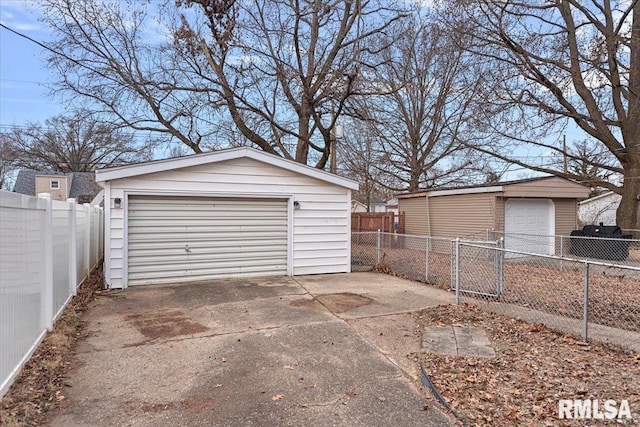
pixel 277 397
pixel 289 367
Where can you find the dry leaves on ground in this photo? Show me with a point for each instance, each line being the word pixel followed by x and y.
pixel 40 385
pixel 534 368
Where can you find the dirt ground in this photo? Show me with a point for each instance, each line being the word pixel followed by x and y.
pixel 614 293
pixel 534 367
pixel 40 387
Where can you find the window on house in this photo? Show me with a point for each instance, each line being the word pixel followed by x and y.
pixel 55 185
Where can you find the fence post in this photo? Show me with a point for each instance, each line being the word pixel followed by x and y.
pixel 378 246
pixel 585 308
pixel 562 253
pixel 426 261
pixel 47 291
pixel 87 239
pixel 95 211
pixel 457 252
pixel 73 248
pixel 102 234
pixel 500 267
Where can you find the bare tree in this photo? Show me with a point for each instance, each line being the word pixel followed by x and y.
pixel 360 159
pixel 118 58
pixel 7 161
pixel 285 69
pixel 584 159
pixel 559 62
pixel 273 68
pixel 77 142
pixel 422 118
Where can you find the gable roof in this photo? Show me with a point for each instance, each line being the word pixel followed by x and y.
pixel 221 156
pixel 26 181
pixel 496 187
pixel 601 196
pixel 83 184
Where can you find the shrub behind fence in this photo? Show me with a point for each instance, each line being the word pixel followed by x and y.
pixel 47 248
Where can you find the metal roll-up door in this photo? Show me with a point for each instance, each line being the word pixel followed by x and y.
pixel 172 239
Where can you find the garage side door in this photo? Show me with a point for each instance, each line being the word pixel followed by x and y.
pixel 173 239
pixel 528 225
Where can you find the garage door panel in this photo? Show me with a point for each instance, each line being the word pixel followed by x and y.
pixel 197 246
pixel 205 216
pixel 528 225
pixel 171 234
pixel 188 238
pixel 170 255
pixel 218 273
pixel 219 228
pixel 203 266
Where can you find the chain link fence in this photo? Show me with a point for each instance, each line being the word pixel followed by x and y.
pixel 588 297
pixel 591 299
pixel 421 258
pixel 622 251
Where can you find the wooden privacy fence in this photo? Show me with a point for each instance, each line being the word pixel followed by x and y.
pixel 386 222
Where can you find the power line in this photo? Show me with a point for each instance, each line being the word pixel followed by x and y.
pixel 56 52
pixel 21 81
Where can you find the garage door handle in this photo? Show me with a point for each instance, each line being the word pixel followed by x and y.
pixel 186 248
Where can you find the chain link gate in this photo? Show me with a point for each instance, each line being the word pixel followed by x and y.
pixel 477 268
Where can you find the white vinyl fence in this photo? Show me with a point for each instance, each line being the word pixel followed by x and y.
pixel 47 249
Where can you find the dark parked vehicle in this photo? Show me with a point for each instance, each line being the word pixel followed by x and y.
pixel 600 241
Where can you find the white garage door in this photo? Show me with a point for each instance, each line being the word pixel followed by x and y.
pixel 529 225
pixel 172 239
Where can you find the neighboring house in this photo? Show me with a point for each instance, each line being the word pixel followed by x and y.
pixel 392 206
pixel 62 186
pixel 377 205
pixel 539 206
pixel 230 213
pixel 357 207
pixel 599 209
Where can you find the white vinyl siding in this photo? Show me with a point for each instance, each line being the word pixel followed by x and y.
pixel 196 238
pixel 319 229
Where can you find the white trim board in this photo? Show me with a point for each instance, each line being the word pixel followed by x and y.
pixel 220 156
pixel 494 189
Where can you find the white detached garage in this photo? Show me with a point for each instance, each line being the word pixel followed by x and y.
pixel 231 213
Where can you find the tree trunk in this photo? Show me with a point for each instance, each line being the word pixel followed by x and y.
pixel 302 149
pixel 628 213
pixel 414 182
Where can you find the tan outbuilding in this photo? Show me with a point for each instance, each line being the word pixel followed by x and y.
pixel 540 206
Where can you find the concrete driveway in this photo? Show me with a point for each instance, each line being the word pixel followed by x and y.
pixel 315 350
